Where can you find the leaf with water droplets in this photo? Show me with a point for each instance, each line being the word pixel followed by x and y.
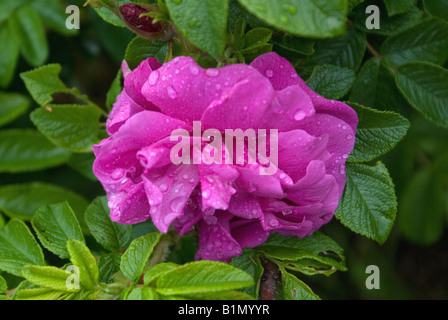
pixel 312 18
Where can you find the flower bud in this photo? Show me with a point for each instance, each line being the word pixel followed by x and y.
pixel 131 14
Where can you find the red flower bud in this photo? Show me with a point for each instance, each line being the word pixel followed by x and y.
pixel 131 14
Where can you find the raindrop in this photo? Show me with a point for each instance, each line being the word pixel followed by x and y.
pixel 286 212
pixel 299 115
pixel 274 223
pixel 118 174
pixel 153 78
pixel 212 72
pixel 171 92
pixel 163 187
pixel 194 69
pixel 269 73
pixel 349 136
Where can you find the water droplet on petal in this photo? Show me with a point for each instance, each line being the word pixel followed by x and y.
pixel 153 78
pixel 342 169
pixel 212 72
pixel 349 136
pixel 163 187
pixel 287 212
pixel 206 195
pixel 171 92
pixel 194 69
pixel 299 115
pixel 269 73
pixel 345 156
pixel 118 174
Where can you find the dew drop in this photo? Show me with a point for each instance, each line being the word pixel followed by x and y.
pixel 269 73
pixel 299 115
pixel 212 72
pixel 349 136
pixel 206 195
pixel 163 187
pixel 345 156
pixel 118 174
pixel 194 69
pixel 171 92
pixel 287 212
pixel 153 78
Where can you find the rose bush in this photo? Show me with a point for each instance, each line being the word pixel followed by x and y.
pixel 233 205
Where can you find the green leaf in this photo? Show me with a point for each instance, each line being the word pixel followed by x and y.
pixel 48 277
pixel 437 8
pixel 330 81
pixel 377 133
pixel 295 44
pixel 72 127
pixel 54 225
pixel 111 235
pixel 43 82
pixel 53 15
pixel 9 53
pixel 203 23
pixel 143 293
pixel 202 276
pixel 368 205
pixel 81 257
pixel 23 150
pixel 249 262
pixel 375 87
pixel 425 87
pixel 255 37
pixel 108 264
pixel 135 259
pixel 345 51
pixel 110 17
pixel 399 6
pixel 219 295
pixel 3 285
pixel 39 294
pixel 115 90
pixel 308 18
pixel 8 7
pixel 83 163
pixel 157 270
pixel 315 254
pixel 295 289
pixel 13 105
pixel 422 206
pixel 29 29
pixel 431 45
pixel 22 200
pixel 18 248
pixel 140 49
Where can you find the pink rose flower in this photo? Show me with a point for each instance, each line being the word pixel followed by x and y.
pixel 233 205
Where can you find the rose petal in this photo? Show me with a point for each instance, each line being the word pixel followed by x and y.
pixel 183 90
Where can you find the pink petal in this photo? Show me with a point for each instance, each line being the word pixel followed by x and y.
pixel 129 205
pixel 282 75
pixel 216 243
pixel 248 233
pixel 168 190
pixel 297 148
pixel 183 90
